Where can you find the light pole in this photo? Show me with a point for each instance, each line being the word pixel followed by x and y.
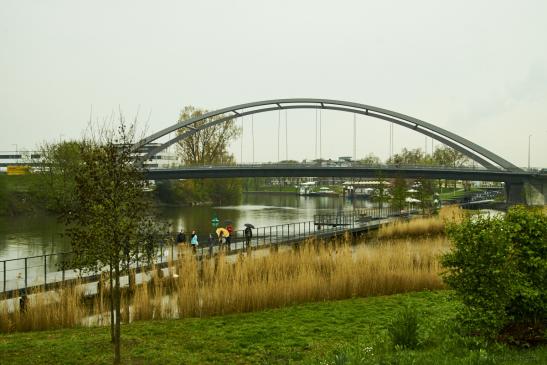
pixel 529 136
pixel 16 149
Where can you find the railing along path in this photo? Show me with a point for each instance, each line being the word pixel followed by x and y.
pixel 48 270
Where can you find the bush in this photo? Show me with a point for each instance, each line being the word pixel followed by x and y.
pixel 403 330
pixel 498 267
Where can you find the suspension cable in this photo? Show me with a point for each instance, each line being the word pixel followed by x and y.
pixel 278 133
pixel 286 137
pixel 320 134
pixel 315 153
pixel 241 147
pixel 354 138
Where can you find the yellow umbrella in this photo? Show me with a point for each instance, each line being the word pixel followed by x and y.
pixel 222 231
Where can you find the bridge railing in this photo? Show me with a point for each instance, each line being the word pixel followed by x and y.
pixel 330 164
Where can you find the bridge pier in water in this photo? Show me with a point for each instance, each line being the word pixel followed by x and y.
pixel 528 192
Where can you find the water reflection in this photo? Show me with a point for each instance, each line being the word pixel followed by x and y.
pixel 31 236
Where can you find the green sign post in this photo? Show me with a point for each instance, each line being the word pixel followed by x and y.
pixel 214 222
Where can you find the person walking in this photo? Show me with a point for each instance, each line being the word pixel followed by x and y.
pixel 221 240
pixel 211 244
pixel 181 237
pixel 194 241
pixel 248 236
pixel 230 230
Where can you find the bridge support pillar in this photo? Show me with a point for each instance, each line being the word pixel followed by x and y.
pixel 528 192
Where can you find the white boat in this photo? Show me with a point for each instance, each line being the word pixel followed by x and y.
pixel 306 188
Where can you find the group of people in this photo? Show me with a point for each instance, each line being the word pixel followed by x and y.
pixel 223 237
pixel 181 238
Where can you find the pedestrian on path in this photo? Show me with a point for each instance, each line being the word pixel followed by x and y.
pixel 181 237
pixel 211 244
pixel 230 230
pixel 194 241
pixel 248 236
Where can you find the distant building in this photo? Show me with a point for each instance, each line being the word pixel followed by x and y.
pixel 163 159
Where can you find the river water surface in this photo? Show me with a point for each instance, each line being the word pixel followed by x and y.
pixel 38 235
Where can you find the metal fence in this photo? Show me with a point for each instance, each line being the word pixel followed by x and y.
pixel 43 270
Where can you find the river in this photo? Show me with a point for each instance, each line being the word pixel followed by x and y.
pixel 38 235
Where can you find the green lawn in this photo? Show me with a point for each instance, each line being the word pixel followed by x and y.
pixel 339 332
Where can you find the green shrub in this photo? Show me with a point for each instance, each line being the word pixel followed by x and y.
pixel 498 267
pixel 403 329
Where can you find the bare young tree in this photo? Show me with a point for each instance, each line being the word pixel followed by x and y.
pixel 109 210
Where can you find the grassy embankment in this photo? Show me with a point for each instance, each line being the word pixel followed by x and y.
pixel 352 331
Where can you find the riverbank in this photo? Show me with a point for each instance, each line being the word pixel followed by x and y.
pixel 332 332
pixel 28 195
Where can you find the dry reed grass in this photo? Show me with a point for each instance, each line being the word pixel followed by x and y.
pixel 313 271
pixel 426 226
pixel 45 310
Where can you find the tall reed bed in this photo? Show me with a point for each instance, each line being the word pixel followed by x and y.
pixel 44 310
pixel 426 226
pixel 313 271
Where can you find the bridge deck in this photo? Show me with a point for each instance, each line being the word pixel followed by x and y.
pixel 353 170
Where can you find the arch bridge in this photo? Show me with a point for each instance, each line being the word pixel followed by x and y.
pixel 489 160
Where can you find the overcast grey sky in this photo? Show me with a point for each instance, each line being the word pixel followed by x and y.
pixel 476 68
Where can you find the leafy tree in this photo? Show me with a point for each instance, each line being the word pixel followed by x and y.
pixel 410 157
pixel 56 174
pixel 208 147
pixel 380 193
pixel 425 194
pixel 370 159
pixel 449 157
pixel 105 222
pixel 399 193
pixel 498 267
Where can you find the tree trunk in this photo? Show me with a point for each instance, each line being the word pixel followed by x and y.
pixel 117 301
pixel 112 330
pixel 129 289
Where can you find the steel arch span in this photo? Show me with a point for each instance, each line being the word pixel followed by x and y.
pixel 482 156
